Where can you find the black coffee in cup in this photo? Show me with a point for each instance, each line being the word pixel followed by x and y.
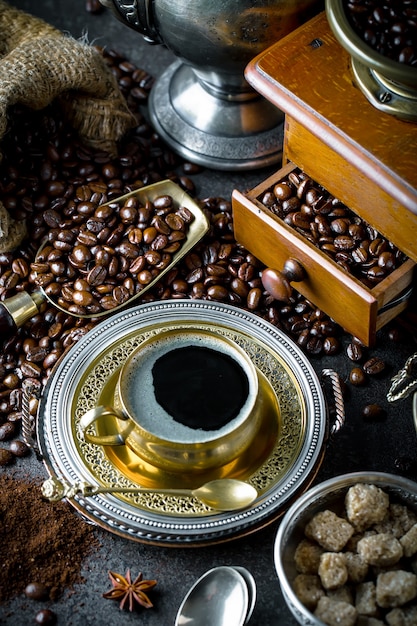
pixel 200 387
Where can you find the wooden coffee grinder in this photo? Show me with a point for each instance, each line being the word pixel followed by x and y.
pixel 364 157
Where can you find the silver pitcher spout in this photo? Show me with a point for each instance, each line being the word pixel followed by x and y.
pixel 202 106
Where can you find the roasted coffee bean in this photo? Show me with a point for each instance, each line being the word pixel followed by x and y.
pixel 37 591
pixel 331 345
pixel 357 377
pixel 31 370
pixel 191 168
pixel 19 448
pixel 46 616
pixel 373 412
pixel 374 366
pixel 7 430
pixel 217 292
pixel 354 351
pixel 253 298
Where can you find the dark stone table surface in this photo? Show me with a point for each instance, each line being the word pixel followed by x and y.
pixel 389 445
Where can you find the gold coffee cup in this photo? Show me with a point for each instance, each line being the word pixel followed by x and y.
pixel 184 399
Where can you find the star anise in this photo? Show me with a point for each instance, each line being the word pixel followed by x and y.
pixel 129 592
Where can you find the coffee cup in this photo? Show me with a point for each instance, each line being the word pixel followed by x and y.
pixel 184 399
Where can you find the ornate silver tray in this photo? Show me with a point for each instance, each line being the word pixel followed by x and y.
pixel 283 461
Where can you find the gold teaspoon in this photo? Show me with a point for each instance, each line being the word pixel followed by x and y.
pixel 223 494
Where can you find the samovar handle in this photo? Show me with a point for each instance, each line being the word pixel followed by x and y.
pixel 137 14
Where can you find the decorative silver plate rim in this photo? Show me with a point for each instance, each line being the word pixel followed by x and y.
pixel 105 510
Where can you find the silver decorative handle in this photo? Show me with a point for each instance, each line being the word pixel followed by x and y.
pixel 405 381
pixel 338 399
pixel 137 14
pixel 31 391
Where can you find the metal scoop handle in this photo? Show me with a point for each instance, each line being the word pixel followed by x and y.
pixel 18 309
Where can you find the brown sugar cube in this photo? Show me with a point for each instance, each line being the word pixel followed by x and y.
pixel 398 521
pixel 407 616
pixel 307 557
pixel 409 541
pixel 308 589
pixel 356 567
pixel 365 600
pixel 393 589
pixel 366 505
pixel 329 530
pixel 332 570
pixel 336 613
pixel 341 594
pixel 382 550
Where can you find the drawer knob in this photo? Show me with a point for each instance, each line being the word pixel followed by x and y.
pixel 277 283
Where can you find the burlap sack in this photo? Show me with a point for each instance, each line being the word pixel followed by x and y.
pixel 38 64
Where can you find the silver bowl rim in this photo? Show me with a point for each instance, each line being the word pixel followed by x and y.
pixel 340 482
pixel 361 51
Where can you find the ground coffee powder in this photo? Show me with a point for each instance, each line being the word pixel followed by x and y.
pixel 40 542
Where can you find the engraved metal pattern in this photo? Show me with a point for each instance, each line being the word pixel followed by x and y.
pixel 156 520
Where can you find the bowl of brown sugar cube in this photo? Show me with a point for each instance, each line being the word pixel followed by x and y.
pixel 346 552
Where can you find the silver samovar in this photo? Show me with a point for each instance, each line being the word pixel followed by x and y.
pixel 202 105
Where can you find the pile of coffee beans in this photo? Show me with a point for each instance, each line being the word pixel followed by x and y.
pixel 387 26
pixel 100 256
pixel 331 226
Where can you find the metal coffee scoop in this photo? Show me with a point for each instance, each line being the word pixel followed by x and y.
pixel 18 309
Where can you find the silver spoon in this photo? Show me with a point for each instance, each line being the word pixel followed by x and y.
pixel 219 598
pixel 222 494
pixel 250 582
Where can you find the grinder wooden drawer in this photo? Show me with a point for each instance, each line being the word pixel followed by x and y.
pixel 360 310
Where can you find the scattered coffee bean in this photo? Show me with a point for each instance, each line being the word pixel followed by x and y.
pixel 94 6
pixel 373 412
pixel 37 591
pixel 7 430
pixel 331 345
pixel 19 448
pixel 354 351
pixel 46 616
pixel 357 377
pixel 395 334
pixel 374 366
